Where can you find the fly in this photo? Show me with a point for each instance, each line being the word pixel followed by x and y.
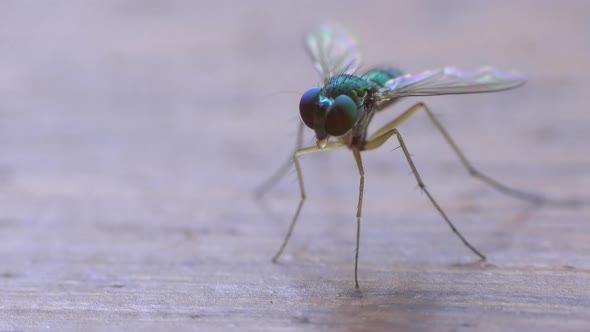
pixel 343 108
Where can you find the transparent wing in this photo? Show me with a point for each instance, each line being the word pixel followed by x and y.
pixel 451 81
pixel 333 51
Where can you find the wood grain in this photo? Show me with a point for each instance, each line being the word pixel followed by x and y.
pixel 133 134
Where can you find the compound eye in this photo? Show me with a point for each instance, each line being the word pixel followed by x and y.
pixel 308 105
pixel 342 116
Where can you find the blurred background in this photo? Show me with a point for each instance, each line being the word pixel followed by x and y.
pixel 133 134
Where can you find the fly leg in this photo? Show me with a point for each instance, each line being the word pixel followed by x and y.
pixel 499 186
pixel 271 181
pixel 296 155
pixel 357 156
pixel 376 141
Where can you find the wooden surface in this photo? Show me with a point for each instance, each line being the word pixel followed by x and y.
pixel 134 132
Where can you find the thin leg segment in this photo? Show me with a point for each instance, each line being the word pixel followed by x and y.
pixel 357 156
pixel 376 142
pixel 499 186
pixel 264 187
pixel 296 155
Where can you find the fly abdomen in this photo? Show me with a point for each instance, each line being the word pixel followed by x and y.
pixel 381 75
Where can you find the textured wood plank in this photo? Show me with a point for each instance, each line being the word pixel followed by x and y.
pixel 133 133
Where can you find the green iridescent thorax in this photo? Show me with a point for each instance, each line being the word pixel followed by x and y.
pixel 353 86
